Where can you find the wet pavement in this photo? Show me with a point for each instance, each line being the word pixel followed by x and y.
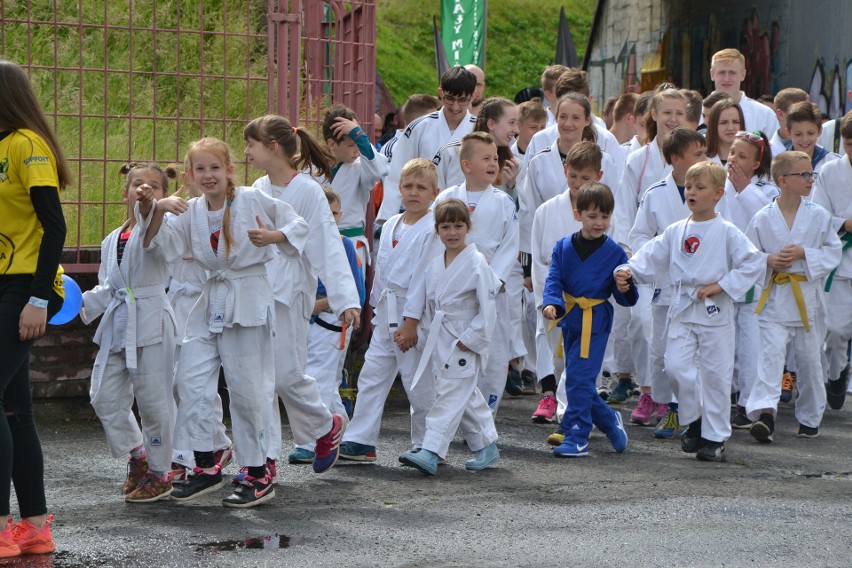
pixel 785 504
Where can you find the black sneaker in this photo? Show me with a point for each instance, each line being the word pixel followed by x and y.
pixel 835 391
pixel 763 428
pixel 513 382
pixel 691 440
pixel 740 421
pixel 807 431
pixel 528 382
pixel 250 492
pixel 197 484
pixel 711 451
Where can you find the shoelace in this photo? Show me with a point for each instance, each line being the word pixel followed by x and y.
pixel 670 421
pixel 787 382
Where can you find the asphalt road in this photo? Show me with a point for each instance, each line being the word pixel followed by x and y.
pixel 785 504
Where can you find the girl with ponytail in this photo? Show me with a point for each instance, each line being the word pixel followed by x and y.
pixel 227 230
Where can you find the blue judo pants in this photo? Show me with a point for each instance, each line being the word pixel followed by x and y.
pixel 585 406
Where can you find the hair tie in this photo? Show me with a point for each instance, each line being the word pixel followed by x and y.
pixel 228 202
pixel 296 129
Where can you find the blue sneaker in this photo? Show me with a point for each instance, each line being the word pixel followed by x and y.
pixel 301 455
pixel 353 451
pixel 328 446
pixel 618 436
pixel 621 392
pixel 484 457
pixel 423 460
pixel 669 426
pixel 441 461
pixel 571 450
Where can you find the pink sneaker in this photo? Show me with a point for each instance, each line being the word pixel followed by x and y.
pixel 644 411
pixel 546 410
pixel 662 410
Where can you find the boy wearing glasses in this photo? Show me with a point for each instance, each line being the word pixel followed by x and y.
pixel 802 248
pixel 425 136
pixel 833 191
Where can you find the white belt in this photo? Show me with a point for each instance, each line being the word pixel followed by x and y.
pixel 225 302
pixel 105 338
pixel 390 296
pixel 432 340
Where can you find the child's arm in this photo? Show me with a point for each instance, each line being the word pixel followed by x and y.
pixel 652 261
pixel 624 290
pixel 645 226
pixel 553 304
pixel 626 204
pixel 293 230
pixel 149 221
pixel 821 196
pixel 504 258
pixel 540 258
pixel 96 300
pixel 820 261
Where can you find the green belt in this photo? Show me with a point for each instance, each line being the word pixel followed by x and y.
pixel 847 242
pixel 353 232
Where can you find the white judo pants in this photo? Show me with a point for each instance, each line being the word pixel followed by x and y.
pixel 699 360
pixel 807 348
pixel 382 362
pixel 514 296
pixel 639 335
pixel 245 353
pixel 458 406
pixel 838 323
pixel 309 418
pixel 492 381
pixel 151 384
pixel 325 365
pixel 619 339
pixel 528 331
pixel 181 305
pixel 747 350
pixel 661 385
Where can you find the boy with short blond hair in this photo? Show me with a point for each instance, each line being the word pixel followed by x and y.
pixel 801 248
pixel 707 262
pixel 780 139
pixel 727 71
pixel 408 243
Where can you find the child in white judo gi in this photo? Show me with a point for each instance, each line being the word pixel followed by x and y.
pixel 495 233
pixel 834 192
pixel 408 245
pixel 136 336
pixel 355 172
pixel 581 276
pixel 457 308
pixel 287 153
pixel 708 262
pixel 328 341
pixel 800 240
pixel 748 189
pixel 232 323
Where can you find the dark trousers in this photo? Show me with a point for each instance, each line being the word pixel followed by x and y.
pixel 20 450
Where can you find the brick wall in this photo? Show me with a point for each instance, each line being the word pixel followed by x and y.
pixel 61 361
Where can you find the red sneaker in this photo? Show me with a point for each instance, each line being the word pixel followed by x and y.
pixel 32 540
pixel 8 546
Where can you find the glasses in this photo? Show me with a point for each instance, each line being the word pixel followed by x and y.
pixel 807 176
pixel 755 137
pixel 451 100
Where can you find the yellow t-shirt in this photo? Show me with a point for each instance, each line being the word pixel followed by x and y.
pixel 25 162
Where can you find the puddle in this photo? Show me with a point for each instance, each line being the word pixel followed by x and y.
pixel 61 559
pixel 273 542
pixel 824 474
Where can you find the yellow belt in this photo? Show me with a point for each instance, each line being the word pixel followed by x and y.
pixel 585 304
pixel 793 280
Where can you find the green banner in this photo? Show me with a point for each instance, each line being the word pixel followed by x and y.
pixel 463 31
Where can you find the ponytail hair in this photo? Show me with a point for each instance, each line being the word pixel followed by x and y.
pixel 221 150
pixel 588 130
pixel 493 108
pixel 656 101
pixel 299 147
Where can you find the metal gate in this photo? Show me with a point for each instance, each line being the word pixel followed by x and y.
pixel 140 80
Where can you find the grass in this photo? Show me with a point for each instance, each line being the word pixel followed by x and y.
pixel 140 80
pixel 521 41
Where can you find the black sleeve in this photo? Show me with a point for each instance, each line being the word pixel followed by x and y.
pixel 526 264
pixel 48 209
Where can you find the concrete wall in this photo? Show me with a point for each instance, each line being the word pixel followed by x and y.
pixel 786 44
